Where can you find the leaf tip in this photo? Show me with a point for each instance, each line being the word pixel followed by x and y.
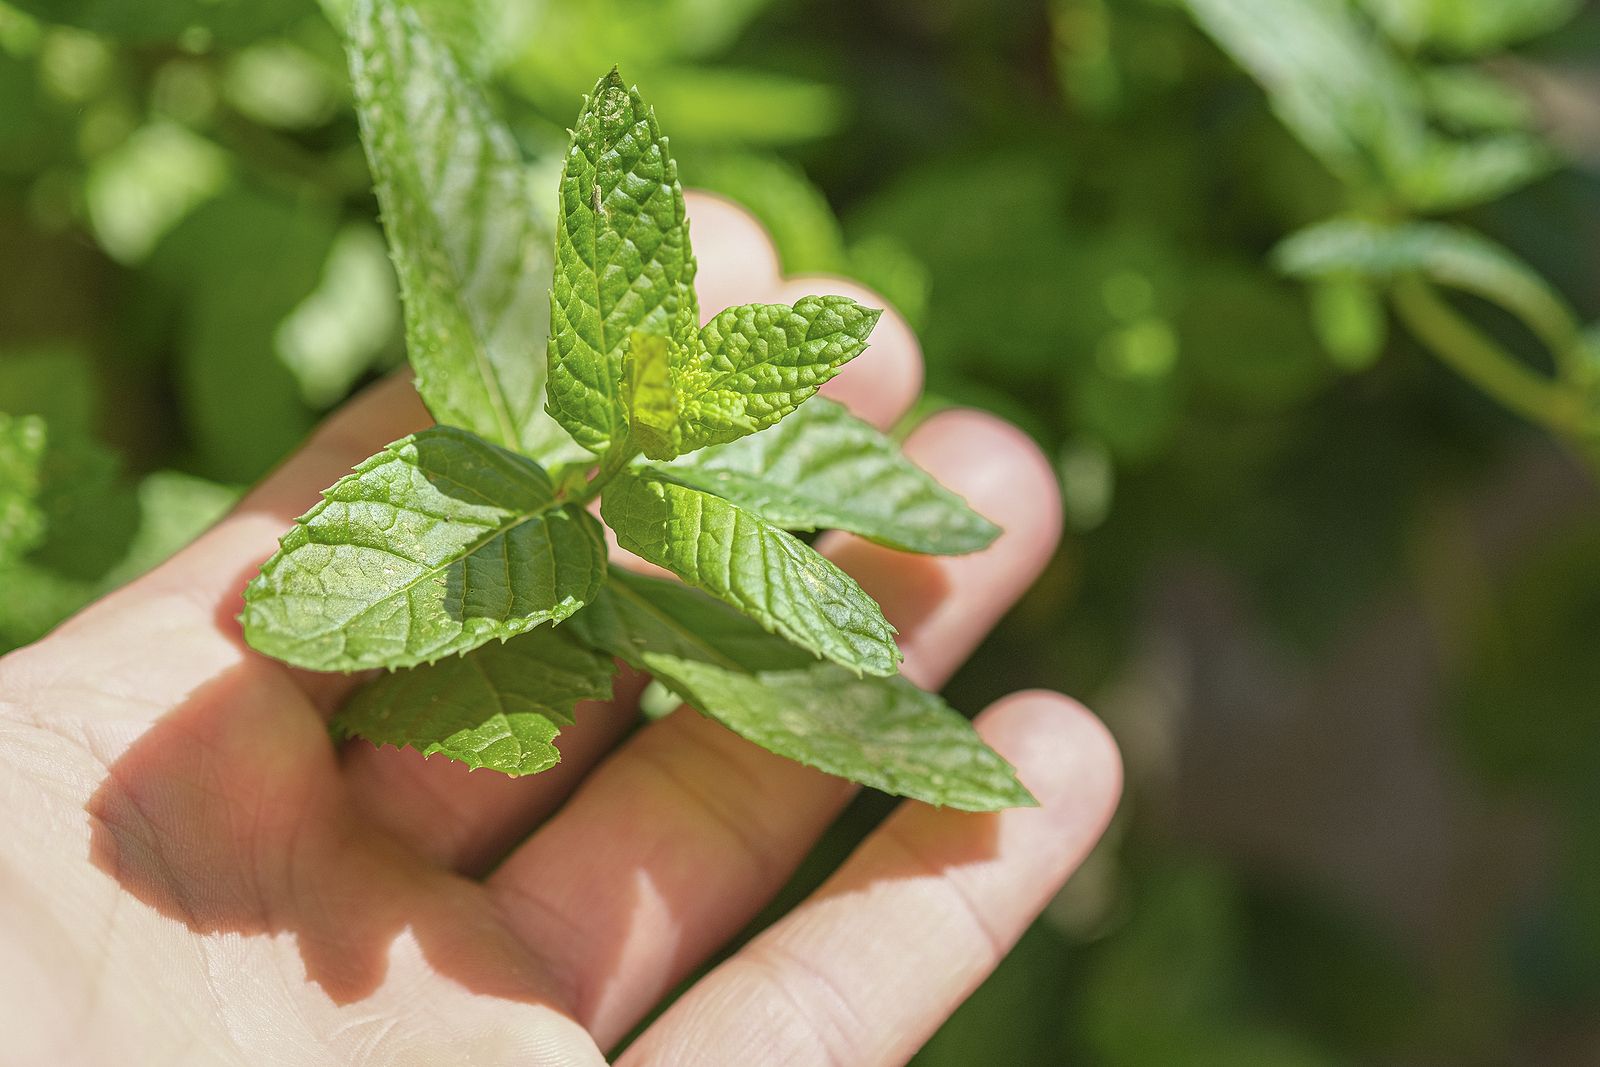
pixel 985 532
pixel 1024 798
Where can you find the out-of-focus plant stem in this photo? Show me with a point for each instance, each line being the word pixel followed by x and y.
pixel 1559 404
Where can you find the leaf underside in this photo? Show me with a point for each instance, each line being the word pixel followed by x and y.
pixel 1450 255
pixel 499 707
pixel 634 614
pixel 881 732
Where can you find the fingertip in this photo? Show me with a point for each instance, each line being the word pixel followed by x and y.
pixel 738 263
pixel 999 471
pixel 944 605
pixel 1064 755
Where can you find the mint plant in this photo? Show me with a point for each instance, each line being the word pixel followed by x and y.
pixel 1408 136
pixel 466 560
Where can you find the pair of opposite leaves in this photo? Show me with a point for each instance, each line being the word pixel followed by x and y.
pixel 457 537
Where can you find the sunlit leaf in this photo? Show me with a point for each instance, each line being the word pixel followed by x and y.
pixel 623 261
pixel 764 572
pixel 470 246
pixel 1450 255
pixel 823 468
pixel 436 545
pixel 881 732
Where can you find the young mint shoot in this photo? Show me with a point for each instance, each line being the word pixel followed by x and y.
pixel 466 559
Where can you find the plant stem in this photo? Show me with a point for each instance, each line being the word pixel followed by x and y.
pixel 617 457
pixel 1556 405
pixel 1559 331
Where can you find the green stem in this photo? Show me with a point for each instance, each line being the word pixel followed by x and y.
pixel 1557 405
pixel 617 457
pixel 1555 326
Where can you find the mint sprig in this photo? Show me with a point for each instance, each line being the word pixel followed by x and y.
pixel 453 554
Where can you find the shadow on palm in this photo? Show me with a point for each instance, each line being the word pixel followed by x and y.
pixel 232 816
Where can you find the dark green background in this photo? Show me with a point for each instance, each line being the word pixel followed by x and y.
pixel 1342 613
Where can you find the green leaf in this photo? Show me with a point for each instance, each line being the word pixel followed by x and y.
pixel 648 394
pixel 35 600
pixel 155 20
pixel 754 364
pixel 174 509
pixel 634 615
pixel 881 732
pixel 623 260
pixel 1448 175
pixel 434 546
pixel 499 706
pixel 1338 89
pixel 90 509
pixel 241 404
pixel 1348 315
pixel 22 452
pixel 344 327
pixel 824 468
pixel 140 190
pixel 284 85
pixel 759 569
pixel 1450 255
pixel 1469 97
pixel 471 252
pixel 1469 27
pixel 1345 94
pixel 748 368
pixel 625 272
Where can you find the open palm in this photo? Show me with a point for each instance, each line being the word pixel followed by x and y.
pixel 192 873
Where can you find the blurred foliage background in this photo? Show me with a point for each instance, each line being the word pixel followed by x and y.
pixel 1333 566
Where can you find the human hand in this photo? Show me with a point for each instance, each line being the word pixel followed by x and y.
pixel 192 873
